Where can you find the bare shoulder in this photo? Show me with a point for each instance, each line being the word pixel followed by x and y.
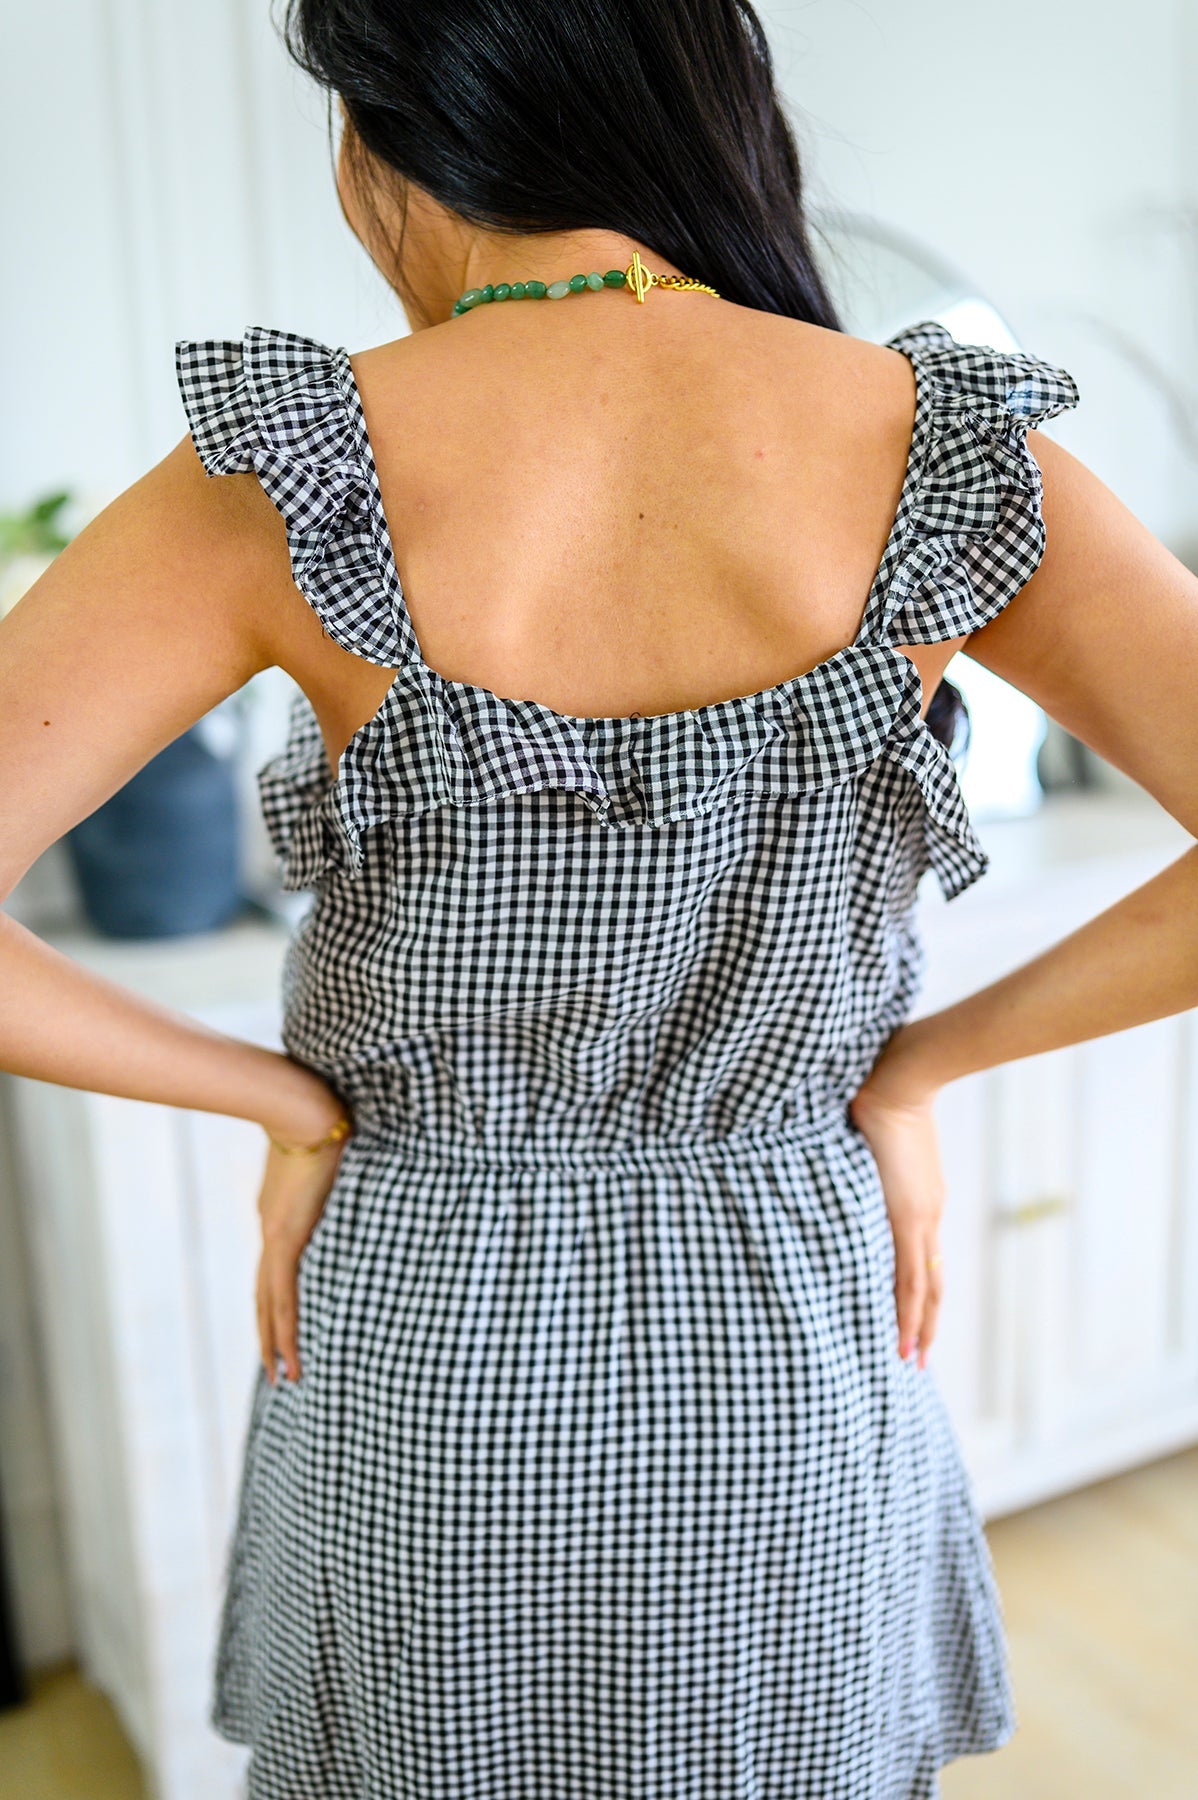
pixel 869 376
pixel 736 335
pixel 861 393
pixel 420 364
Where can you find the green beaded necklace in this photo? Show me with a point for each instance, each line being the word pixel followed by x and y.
pixel 636 278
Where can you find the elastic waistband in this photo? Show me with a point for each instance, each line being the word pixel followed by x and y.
pixel 415 1146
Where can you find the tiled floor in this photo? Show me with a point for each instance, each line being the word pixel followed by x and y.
pixel 1100 1592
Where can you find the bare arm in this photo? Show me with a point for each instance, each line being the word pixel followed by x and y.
pixel 160 608
pixel 1105 638
pixel 164 605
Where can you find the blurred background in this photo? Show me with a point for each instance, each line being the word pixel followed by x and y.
pixel 1029 177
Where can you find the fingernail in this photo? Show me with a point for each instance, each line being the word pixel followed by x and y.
pixel 905 1349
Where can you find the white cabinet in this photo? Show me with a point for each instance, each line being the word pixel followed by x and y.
pixel 141 1228
pixel 1068 1345
pixel 1069 1341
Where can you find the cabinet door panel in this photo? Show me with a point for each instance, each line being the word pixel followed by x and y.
pixel 224 1160
pixel 1032 1158
pixel 1121 1302
pixel 974 1354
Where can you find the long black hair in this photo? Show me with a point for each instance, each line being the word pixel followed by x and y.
pixel 656 119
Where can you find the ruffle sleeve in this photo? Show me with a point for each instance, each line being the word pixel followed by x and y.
pixel 276 404
pixel 975 531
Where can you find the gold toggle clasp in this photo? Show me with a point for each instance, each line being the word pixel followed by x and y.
pixel 639 278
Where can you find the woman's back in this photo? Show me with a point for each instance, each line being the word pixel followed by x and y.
pixel 613 519
pixel 615 509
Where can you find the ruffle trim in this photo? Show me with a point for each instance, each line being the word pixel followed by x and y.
pixel 967 536
pixel 974 531
pixel 438 743
pixel 280 406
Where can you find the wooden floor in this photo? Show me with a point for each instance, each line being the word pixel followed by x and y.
pixel 65 1744
pixel 1100 1595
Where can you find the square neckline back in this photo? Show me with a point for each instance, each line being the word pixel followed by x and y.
pixel 713 709
pixel 967 533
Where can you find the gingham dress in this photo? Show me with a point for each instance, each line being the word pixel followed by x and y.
pixel 603 1479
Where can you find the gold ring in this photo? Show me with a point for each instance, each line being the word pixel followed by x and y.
pixel 934 1262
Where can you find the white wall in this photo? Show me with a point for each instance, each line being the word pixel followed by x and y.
pixel 168 175
pixel 173 179
pixel 1052 151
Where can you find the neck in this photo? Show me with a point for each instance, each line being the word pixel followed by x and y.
pixel 541 256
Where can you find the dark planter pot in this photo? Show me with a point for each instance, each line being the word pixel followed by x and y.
pixel 161 858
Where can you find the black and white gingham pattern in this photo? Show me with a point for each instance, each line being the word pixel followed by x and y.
pixel 976 532
pixel 604 1480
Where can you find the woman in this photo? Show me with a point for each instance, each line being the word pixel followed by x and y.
pixel 594 1450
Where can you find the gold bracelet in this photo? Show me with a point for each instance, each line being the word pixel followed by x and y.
pixel 340 1130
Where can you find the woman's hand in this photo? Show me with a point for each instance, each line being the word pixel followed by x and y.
pixel 893 1111
pixel 291 1200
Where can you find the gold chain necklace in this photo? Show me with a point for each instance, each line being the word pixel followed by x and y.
pixel 636 278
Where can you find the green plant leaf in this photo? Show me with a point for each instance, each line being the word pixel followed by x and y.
pixel 45 509
pixel 36 531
